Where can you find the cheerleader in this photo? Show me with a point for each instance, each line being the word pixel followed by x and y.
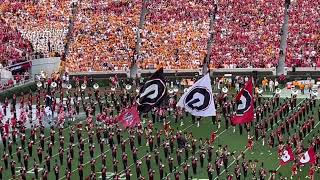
pixel 213 137
pixel 1 116
pixel 61 118
pixel 39 116
pixel 6 128
pixel 89 122
pixel 250 142
pixel 71 114
pixel 294 170
pixel 311 172
pixel 22 117
pixel 230 177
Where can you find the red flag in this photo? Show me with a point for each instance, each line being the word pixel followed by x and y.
pixel 308 157
pixel 244 100
pixel 129 117
pixel 287 156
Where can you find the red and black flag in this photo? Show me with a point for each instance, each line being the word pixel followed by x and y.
pixel 129 117
pixel 245 108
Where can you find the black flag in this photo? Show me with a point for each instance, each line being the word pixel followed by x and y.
pixel 152 93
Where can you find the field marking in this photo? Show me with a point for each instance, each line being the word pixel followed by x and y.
pixel 230 164
pixel 32 170
pixel 258 139
pixel 63 152
pixel 162 143
pixel 301 141
pixel 110 149
pixel 111 174
pixel 46 138
pixel 147 153
pixel 178 167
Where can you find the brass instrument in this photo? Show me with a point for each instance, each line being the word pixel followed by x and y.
pixel 83 86
pixel 225 90
pixel 53 85
pixel 96 86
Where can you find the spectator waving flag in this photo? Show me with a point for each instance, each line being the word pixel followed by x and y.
pixel 129 117
pixel 244 100
pixel 286 156
pixel 308 157
pixel 152 93
pixel 198 100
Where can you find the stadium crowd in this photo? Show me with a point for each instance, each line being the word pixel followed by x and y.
pixel 12 46
pixel 246 33
pixel 104 35
pixel 43 23
pixel 304 34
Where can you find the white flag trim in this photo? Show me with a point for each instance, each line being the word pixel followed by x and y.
pixel 198 100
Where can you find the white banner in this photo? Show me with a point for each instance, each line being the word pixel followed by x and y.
pixel 198 100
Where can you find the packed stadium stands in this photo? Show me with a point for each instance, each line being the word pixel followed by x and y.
pixel 175 34
pixel 12 46
pixel 103 35
pixel 43 23
pixel 246 33
pixel 304 34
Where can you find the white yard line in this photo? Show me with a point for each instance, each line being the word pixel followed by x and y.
pixel 46 138
pixel 147 154
pixel 258 139
pixel 231 164
pixel 302 140
pixel 110 149
pixel 199 150
pixel 58 153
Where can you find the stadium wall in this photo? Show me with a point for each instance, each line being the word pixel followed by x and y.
pixel 48 65
pixel 258 73
pixel 177 73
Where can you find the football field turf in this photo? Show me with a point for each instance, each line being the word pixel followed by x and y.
pixel 225 136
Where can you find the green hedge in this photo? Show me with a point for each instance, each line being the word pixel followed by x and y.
pixel 17 90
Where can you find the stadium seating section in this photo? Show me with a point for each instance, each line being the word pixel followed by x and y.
pixel 247 33
pixel 42 23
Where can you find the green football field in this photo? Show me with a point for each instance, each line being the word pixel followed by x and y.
pixel 231 137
